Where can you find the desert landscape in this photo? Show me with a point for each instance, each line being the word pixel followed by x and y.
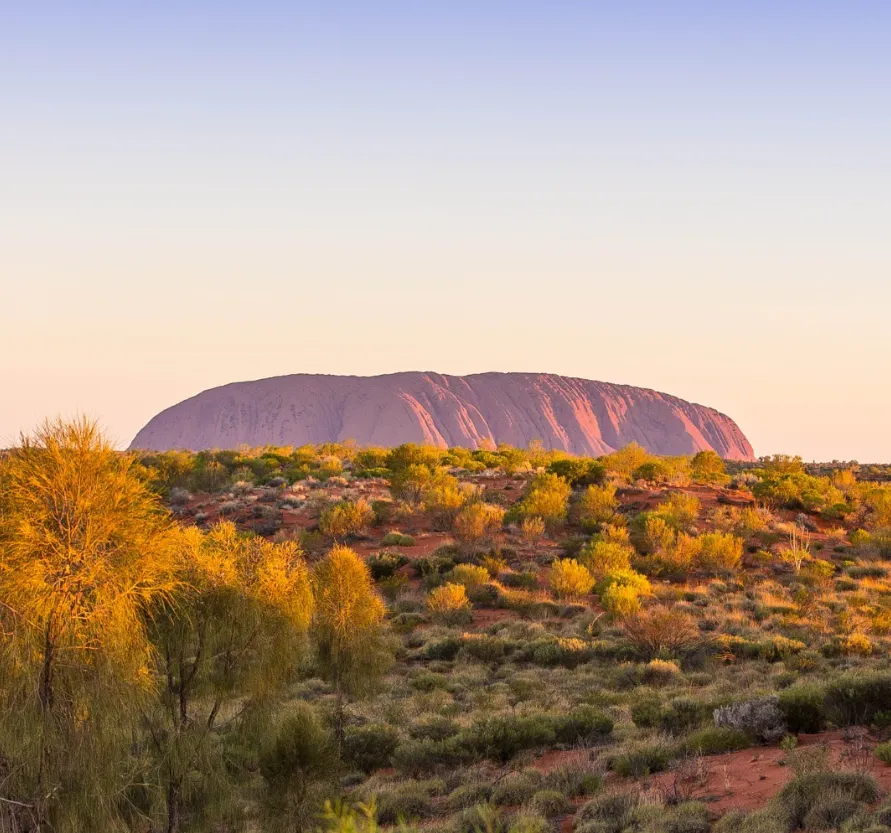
pixel 442 639
pixel 464 417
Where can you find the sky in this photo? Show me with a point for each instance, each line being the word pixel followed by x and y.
pixel 688 196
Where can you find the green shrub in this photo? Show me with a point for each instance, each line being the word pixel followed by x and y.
pixel 856 699
pixel 584 724
pixel 346 518
pixel 405 803
pixel 802 706
pixel 644 757
pixel 569 579
pixel 397 539
pixel 516 788
pixel 573 781
pixel 301 752
pixel 714 740
pixel 448 603
pixel 883 752
pixel 385 564
pixel 503 737
pixel 615 811
pixel 551 803
pixel 547 498
pixel 416 757
pixel 800 796
pixel 446 649
pixel 578 471
pixel 370 747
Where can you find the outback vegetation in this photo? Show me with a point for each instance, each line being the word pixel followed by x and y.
pixel 502 640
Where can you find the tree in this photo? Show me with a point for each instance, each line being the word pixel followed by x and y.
pixel 231 637
pixel 349 627
pixel 85 549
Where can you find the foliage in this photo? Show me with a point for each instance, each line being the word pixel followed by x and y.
pixel 546 498
pixel 449 602
pixel 349 626
pixel 478 521
pixel 346 518
pixel 85 550
pixel 661 631
pixel 569 579
pixel 596 505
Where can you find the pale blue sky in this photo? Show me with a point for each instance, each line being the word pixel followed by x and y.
pixel 694 197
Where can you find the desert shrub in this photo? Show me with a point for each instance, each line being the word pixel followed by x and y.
pixel 480 817
pixel 653 532
pixel 796 490
pixel 516 788
pixel 449 603
pixel 404 803
pixel 578 471
pixel 805 793
pixel 573 781
pixel 469 575
pixel 596 505
pixel 532 528
pixel 720 552
pixel 416 757
pixel 620 600
pixel 468 795
pixel 883 752
pixel 301 752
pixel 856 698
pixel 444 649
pixel 564 651
pixel 433 727
pixel 370 747
pixel 485 648
pixel 478 521
pixel 546 498
pixel 385 564
pixel 584 724
pixel 661 631
pixel 760 718
pixel 830 811
pixel 683 714
pixel 708 467
pixel 503 737
pixel 394 538
pixel 624 461
pixel 528 821
pixel 443 498
pixel 661 672
pixel 569 579
pixel 525 580
pixel 346 518
pixel 643 757
pixel 551 803
pixel 715 740
pixel 612 812
pixel 679 510
pixel 602 557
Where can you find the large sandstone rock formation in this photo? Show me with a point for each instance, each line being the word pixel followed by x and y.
pixel 577 415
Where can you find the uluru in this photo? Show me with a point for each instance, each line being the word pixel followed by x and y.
pixel 576 415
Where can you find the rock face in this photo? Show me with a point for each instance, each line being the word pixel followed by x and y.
pixel 577 415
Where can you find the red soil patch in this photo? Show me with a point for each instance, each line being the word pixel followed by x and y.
pixel 748 779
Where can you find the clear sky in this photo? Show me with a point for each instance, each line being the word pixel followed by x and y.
pixel 689 196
